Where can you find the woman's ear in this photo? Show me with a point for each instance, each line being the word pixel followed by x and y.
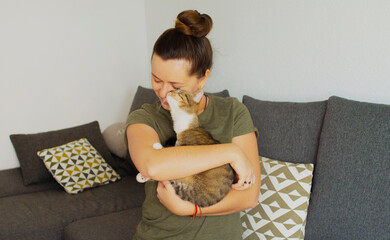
pixel 203 79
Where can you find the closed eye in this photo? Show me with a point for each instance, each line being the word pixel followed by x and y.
pixel 156 80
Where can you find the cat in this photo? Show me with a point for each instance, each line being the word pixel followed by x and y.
pixel 206 188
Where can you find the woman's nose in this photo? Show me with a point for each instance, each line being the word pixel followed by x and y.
pixel 165 89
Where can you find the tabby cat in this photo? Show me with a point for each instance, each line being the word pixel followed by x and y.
pixel 205 188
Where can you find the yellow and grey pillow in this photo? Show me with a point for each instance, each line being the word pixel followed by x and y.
pixel 77 165
pixel 283 201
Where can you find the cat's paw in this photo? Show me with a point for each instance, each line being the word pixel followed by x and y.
pixel 141 179
pixel 157 146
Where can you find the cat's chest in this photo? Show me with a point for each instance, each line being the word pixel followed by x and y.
pixel 183 120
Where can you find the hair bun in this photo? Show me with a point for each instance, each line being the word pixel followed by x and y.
pixel 191 22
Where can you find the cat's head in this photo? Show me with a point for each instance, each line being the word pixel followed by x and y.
pixel 182 100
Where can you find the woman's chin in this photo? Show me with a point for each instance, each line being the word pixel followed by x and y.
pixel 166 106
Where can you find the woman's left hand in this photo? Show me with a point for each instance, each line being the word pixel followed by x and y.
pixel 168 197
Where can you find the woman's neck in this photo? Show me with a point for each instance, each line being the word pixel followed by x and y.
pixel 203 104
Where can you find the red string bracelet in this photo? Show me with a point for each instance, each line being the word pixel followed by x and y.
pixel 195 212
pixel 200 213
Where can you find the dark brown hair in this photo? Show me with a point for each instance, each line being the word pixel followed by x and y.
pixel 188 41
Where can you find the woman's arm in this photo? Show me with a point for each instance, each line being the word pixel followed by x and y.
pixel 236 200
pixel 182 161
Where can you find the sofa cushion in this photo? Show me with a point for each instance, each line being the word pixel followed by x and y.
pixel 351 186
pixel 118 226
pixel 11 183
pixel 282 207
pixel 143 95
pixel 77 166
pixel 27 146
pixel 114 137
pixel 43 215
pixel 287 131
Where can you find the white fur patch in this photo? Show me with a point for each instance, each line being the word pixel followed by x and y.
pixel 141 179
pixel 181 119
pixel 198 96
pixel 157 145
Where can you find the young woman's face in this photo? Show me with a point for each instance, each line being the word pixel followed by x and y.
pixel 172 74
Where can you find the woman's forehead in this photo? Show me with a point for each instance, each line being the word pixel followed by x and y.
pixel 172 70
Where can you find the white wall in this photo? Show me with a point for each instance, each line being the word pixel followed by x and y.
pixel 292 50
pixel 66 63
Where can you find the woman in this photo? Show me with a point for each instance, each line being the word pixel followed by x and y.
pixel 182 58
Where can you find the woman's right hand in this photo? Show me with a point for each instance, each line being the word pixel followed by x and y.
pixel 244 170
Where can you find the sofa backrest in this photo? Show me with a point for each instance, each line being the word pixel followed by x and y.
pixel 287 131
pixel 351 186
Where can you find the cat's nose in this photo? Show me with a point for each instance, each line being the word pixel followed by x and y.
pixel 166 95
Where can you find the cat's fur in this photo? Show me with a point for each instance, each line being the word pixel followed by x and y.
pixel 209 187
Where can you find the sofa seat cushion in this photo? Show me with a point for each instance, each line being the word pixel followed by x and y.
pixel 118 225
pixel 351 186
pixel 43 215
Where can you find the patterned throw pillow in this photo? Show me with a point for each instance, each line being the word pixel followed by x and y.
pixel 77 165
pixel 284 198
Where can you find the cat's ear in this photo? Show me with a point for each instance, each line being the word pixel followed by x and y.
pixel 198 96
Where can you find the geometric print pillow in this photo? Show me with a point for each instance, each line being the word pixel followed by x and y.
pixel 283 201
pixel 77 165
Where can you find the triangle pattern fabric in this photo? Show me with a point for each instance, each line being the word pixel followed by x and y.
pixel 283 201
pixel 74 165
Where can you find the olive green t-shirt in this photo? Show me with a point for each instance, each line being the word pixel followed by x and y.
pixel 224 118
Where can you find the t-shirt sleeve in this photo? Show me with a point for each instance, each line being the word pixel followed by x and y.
pixel 138 116
pixel 243 123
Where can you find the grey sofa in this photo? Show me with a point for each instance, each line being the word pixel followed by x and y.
pixel 347 141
